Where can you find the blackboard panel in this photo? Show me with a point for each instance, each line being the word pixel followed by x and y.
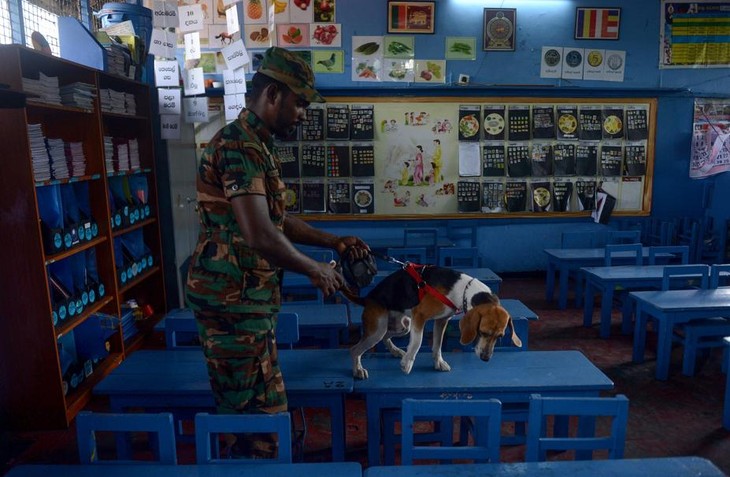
pixel 312 128
pixel 338 121
pixel 362 122
pixel 313 160
pixel 363 160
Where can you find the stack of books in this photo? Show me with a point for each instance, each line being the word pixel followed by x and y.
pixel 45 89
pixel 75 158
pixel 78 94
pixel 39 153
pixel 57 154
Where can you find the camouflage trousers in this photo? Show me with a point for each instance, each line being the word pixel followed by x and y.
pixel 244 373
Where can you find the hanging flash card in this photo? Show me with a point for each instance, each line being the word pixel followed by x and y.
pixel 194 83
pixel 192 45
pixel 191 18
pixel 196 109
pixel 233 104
pixel 235 55
pixel 169 100
pixel 232 24
pixel 166 73
pixel 170 126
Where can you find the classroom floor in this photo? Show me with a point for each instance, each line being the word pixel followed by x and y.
pixel 681 416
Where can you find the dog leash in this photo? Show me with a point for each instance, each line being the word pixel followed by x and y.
pixel 421 284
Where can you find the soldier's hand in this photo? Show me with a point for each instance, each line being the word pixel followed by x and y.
pixel 326 278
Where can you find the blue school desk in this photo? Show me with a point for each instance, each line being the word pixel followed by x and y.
pixel 509 377
pixel 319 321
pixel 324 469
pixel 178 380
pixel 670 308
pixel 661 466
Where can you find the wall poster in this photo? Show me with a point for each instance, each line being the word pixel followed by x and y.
pixel 385 157
pixel 694 34
pixel 710 138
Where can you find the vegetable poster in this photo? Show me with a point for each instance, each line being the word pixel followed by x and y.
pixel 418 166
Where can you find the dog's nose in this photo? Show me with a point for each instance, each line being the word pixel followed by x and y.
pixel 485 357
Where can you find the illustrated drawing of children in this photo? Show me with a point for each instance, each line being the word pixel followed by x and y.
pixel 436 162
pixel 405 174
pixel 418 167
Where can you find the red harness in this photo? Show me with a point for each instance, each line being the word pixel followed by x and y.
pixel 424 287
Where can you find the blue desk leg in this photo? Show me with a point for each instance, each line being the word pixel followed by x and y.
pixel 606 306
pixel 639 334
pixel 726 407
pixel 588 304
pixel 374 438
pixel 664 347
pixel 550 281
pixel 563 288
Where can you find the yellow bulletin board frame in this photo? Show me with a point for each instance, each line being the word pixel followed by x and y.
pixel 450 107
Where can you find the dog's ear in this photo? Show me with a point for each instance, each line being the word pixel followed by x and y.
pixel 515 339
pixel 468 326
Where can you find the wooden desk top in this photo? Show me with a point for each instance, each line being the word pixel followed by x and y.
pixel 184 371
pixel 325 469
pixel 526 371
pixel 684 466
pixel 715 299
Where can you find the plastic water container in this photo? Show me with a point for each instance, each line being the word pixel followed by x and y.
pixel 141 18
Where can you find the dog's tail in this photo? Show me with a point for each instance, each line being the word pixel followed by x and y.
pixel 352 296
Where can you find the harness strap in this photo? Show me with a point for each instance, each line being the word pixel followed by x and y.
pixel 424 287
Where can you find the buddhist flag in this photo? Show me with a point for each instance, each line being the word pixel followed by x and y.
pixel 597 23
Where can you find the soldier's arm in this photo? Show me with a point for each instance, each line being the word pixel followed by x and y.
pixel 252 215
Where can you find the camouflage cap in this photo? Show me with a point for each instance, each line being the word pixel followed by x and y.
pixel 292 70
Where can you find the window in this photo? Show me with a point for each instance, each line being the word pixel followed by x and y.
pixel 6 33
pixel 41 20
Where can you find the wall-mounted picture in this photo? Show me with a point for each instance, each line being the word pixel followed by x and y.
pixel 597 23
pixel 399 47
pixel 328 61
pixel 411 17
pixel 461 48
pixel 500 25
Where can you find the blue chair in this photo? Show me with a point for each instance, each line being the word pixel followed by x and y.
pixel 459 257
pixel 632 252
pixel 160 426
pixel 487 415
pixel 623 237
pixel 720 275
pixel 423 237
pixel 680 252
pixel 578 239
pixel 585 441
pixel 181 330
pixel 209 426
pixel 684 276
pixel 702 335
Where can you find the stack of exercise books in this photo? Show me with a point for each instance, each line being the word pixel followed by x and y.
pixel 39 153
pixel 44 90
pixel 78 94
pixel 57 154
pixel 75 158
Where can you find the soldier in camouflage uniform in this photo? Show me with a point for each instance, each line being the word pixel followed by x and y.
pixel 246 238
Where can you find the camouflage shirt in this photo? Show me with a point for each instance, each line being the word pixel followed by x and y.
pixel 225 274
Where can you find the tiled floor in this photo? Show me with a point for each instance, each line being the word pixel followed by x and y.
pixel 681 416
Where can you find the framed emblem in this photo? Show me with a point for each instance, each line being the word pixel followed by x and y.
pixel 499 29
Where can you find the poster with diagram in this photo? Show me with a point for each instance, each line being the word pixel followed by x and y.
pixel 417 146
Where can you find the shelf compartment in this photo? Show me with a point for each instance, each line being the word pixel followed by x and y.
pixel 66 328
pixel 81 247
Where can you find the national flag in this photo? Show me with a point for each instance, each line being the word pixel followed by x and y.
pixel 598 23
pixel 398 16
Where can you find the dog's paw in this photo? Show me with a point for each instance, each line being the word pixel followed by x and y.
pixel 406 365
pixel 361 373
pixel 441 365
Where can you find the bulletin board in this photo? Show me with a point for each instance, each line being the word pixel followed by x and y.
pixel 469 157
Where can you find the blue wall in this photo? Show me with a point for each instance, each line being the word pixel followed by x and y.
pixel 516 245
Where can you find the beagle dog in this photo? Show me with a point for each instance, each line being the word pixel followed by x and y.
pixel 393 308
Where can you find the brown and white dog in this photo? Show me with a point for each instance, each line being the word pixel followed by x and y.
pixel 393 309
